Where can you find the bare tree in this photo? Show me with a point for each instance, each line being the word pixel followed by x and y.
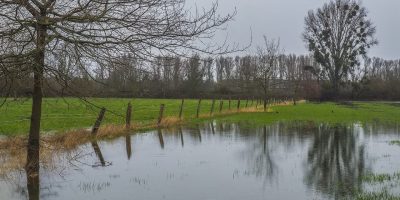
pixel 33 32
pixel 337 34
pixel 267 65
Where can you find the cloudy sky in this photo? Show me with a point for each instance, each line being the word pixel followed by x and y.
pixel 284 19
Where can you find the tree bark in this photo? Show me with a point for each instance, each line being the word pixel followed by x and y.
pixel 265 104
pixel 32 164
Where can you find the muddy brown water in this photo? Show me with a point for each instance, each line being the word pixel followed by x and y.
pixel 212 161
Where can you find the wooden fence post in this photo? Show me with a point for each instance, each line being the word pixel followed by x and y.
pixel 247 102
pixel 198 109
pixel 100 118
pixel 238 104
pixel 212 107
pixel 265 105
pixel 160 117
pixel 221 104
pixel 128 116
pixel 229 107
pixel 181 109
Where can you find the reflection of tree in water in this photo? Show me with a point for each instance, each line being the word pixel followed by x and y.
pixel 336 161
pixel 262 143
pixel 33 185
pixel 258 155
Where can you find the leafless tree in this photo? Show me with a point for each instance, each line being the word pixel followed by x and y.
pixel 34 32
pixel 266 69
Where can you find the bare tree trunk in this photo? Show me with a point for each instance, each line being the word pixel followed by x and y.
pixel 265 104
pixel 265 99
pixel 32 164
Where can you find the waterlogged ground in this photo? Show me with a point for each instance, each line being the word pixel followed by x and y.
pixel 225 161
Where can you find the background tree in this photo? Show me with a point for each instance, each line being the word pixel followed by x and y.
pixel 267 66
pixel 337 34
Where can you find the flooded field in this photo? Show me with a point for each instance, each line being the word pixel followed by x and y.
pixel 222 161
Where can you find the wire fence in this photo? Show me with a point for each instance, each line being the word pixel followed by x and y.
pixel 62 116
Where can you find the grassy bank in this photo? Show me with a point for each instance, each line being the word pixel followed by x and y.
pixel 324 112
pixel 63 115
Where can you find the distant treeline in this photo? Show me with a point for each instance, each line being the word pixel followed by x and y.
pixel 287 76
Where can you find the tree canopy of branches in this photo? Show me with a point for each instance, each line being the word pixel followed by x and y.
pixel 33 33
pixel 268 56
pixel 338 34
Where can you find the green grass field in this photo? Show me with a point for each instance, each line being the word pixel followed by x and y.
pixel 71 113
pixel 384 112
pixel 66 114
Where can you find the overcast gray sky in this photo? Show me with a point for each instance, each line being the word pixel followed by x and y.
pixel 284 19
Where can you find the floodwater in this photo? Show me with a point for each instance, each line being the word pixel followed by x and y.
pixel 219 161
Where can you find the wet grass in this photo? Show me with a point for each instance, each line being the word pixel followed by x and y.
pixel 60 115
pixel 324 112
pixel 381 195
pixel 384 183
pixel 69 114
pixel 395 142
pixel 381 178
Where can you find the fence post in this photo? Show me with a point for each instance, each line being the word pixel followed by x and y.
pixel 256 103
pixel 247 102
pixel 221 104
pixel 212 107
pixel 265 104
pixel 128 116
pixel 160 117
pixel 198 109
pixel 229 103
pixel 181 109
pixel 238 104
pixel 96 125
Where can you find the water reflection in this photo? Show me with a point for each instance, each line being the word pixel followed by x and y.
pixel 181 134
pixel 212 128
pixel 98 153
pixel 336 160
pixel 160 138
pixel 33 185
pixel 198 132
pixel 128 146
pixel 284 160
pixel 259 155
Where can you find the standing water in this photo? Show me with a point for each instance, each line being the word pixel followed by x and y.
pixel 221 161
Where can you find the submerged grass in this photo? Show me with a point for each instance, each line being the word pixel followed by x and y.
pixel 384 183
pixel 395 142
pixel 381 195
pixel 381 178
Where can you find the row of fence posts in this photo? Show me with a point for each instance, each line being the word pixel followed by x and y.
pixel 128 118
